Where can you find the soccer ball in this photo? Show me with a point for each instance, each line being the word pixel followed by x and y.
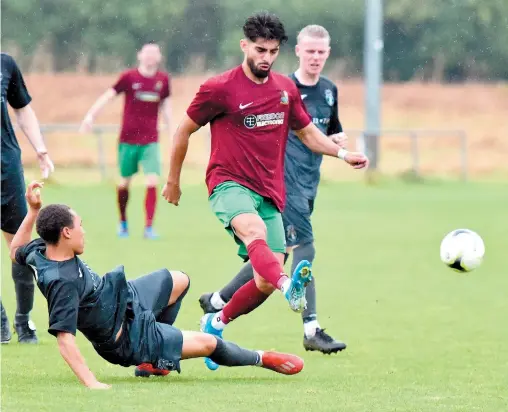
pixel 462 250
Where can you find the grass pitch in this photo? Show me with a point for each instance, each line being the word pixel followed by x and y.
pixel 421 337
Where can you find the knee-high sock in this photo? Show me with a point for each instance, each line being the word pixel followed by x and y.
pixel 265 263
pixel 122 198
pixel 230 354
pixel 245 274
pixel 24 287
pixel 245 300
pixel 150 204
pixel 307 252
pixel 3 312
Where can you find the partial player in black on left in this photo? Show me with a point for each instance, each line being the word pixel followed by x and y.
pixel 15 93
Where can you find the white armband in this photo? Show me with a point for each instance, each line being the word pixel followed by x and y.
pixel 342 153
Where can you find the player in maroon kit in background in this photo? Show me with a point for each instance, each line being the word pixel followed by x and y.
pixel 147 91
pixel 250 111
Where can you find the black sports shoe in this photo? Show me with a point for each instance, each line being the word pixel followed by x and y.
pixel 322 342
pixel 206 303
pixel 5 332
pixel 26 332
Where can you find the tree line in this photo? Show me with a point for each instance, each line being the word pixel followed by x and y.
pixel 439 40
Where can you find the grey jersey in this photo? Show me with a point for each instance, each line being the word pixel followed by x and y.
pixel 78 298
pixel 302 166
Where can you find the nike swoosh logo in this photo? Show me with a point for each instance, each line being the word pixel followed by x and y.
pixel 303 96
pixel 243 106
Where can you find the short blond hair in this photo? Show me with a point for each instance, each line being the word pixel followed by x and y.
pixel 314 31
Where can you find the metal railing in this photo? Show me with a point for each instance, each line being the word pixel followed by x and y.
pixel 97 130
pixel 415 136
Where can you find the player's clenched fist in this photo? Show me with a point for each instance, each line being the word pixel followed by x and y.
pixel 33 195
pixel 171 192
pixel 357 160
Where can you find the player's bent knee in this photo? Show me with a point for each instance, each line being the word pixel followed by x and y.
pixel 181 284
pixel 263 285
pixel 124 182
pixel 152 180
pixel 255 233
pixel 249 227
pixel 180 279
pixel 209 343
pixel 197 344
pixel 203 344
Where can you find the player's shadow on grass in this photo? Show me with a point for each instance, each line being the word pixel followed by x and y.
pixel 202 380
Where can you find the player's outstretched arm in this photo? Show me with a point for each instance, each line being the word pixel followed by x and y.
pixel 103 100
pixel 171 191
pixel 27 121
pixel 71 354
pixel 24 233
pixel 318 142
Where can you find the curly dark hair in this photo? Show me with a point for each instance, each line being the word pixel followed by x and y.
pixel 51 221
pixel 266 26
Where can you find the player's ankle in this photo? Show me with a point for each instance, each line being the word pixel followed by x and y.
pixel 310 327
pixel 216 301
pixel 218 321
pixel 284 284
pixel 260 361
pixel 21 318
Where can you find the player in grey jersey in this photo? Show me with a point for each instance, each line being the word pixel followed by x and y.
pixel 302 175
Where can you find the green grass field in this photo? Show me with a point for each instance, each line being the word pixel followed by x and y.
pixel 421 337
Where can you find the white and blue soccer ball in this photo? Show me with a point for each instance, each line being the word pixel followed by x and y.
pixel 462 250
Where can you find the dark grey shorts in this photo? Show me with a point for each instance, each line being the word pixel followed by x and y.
pixel 14 208
pixel 144 340
pixel 296 218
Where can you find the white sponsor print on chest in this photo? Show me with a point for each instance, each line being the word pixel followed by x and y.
pixel 252 121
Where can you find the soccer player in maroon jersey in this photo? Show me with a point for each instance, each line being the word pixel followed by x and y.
pixel 147 91
pixel 250 110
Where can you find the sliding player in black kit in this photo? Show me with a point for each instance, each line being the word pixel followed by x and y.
pixel 129 323
pixel 302 175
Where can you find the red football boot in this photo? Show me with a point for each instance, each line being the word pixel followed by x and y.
pixel 282 363
pixel 146 370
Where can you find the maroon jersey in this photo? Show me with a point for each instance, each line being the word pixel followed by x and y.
pixel 249 123
pixel 143 97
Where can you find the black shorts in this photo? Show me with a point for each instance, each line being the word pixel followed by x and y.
pixel 144 340
pixel 14 208
pixel 296 218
